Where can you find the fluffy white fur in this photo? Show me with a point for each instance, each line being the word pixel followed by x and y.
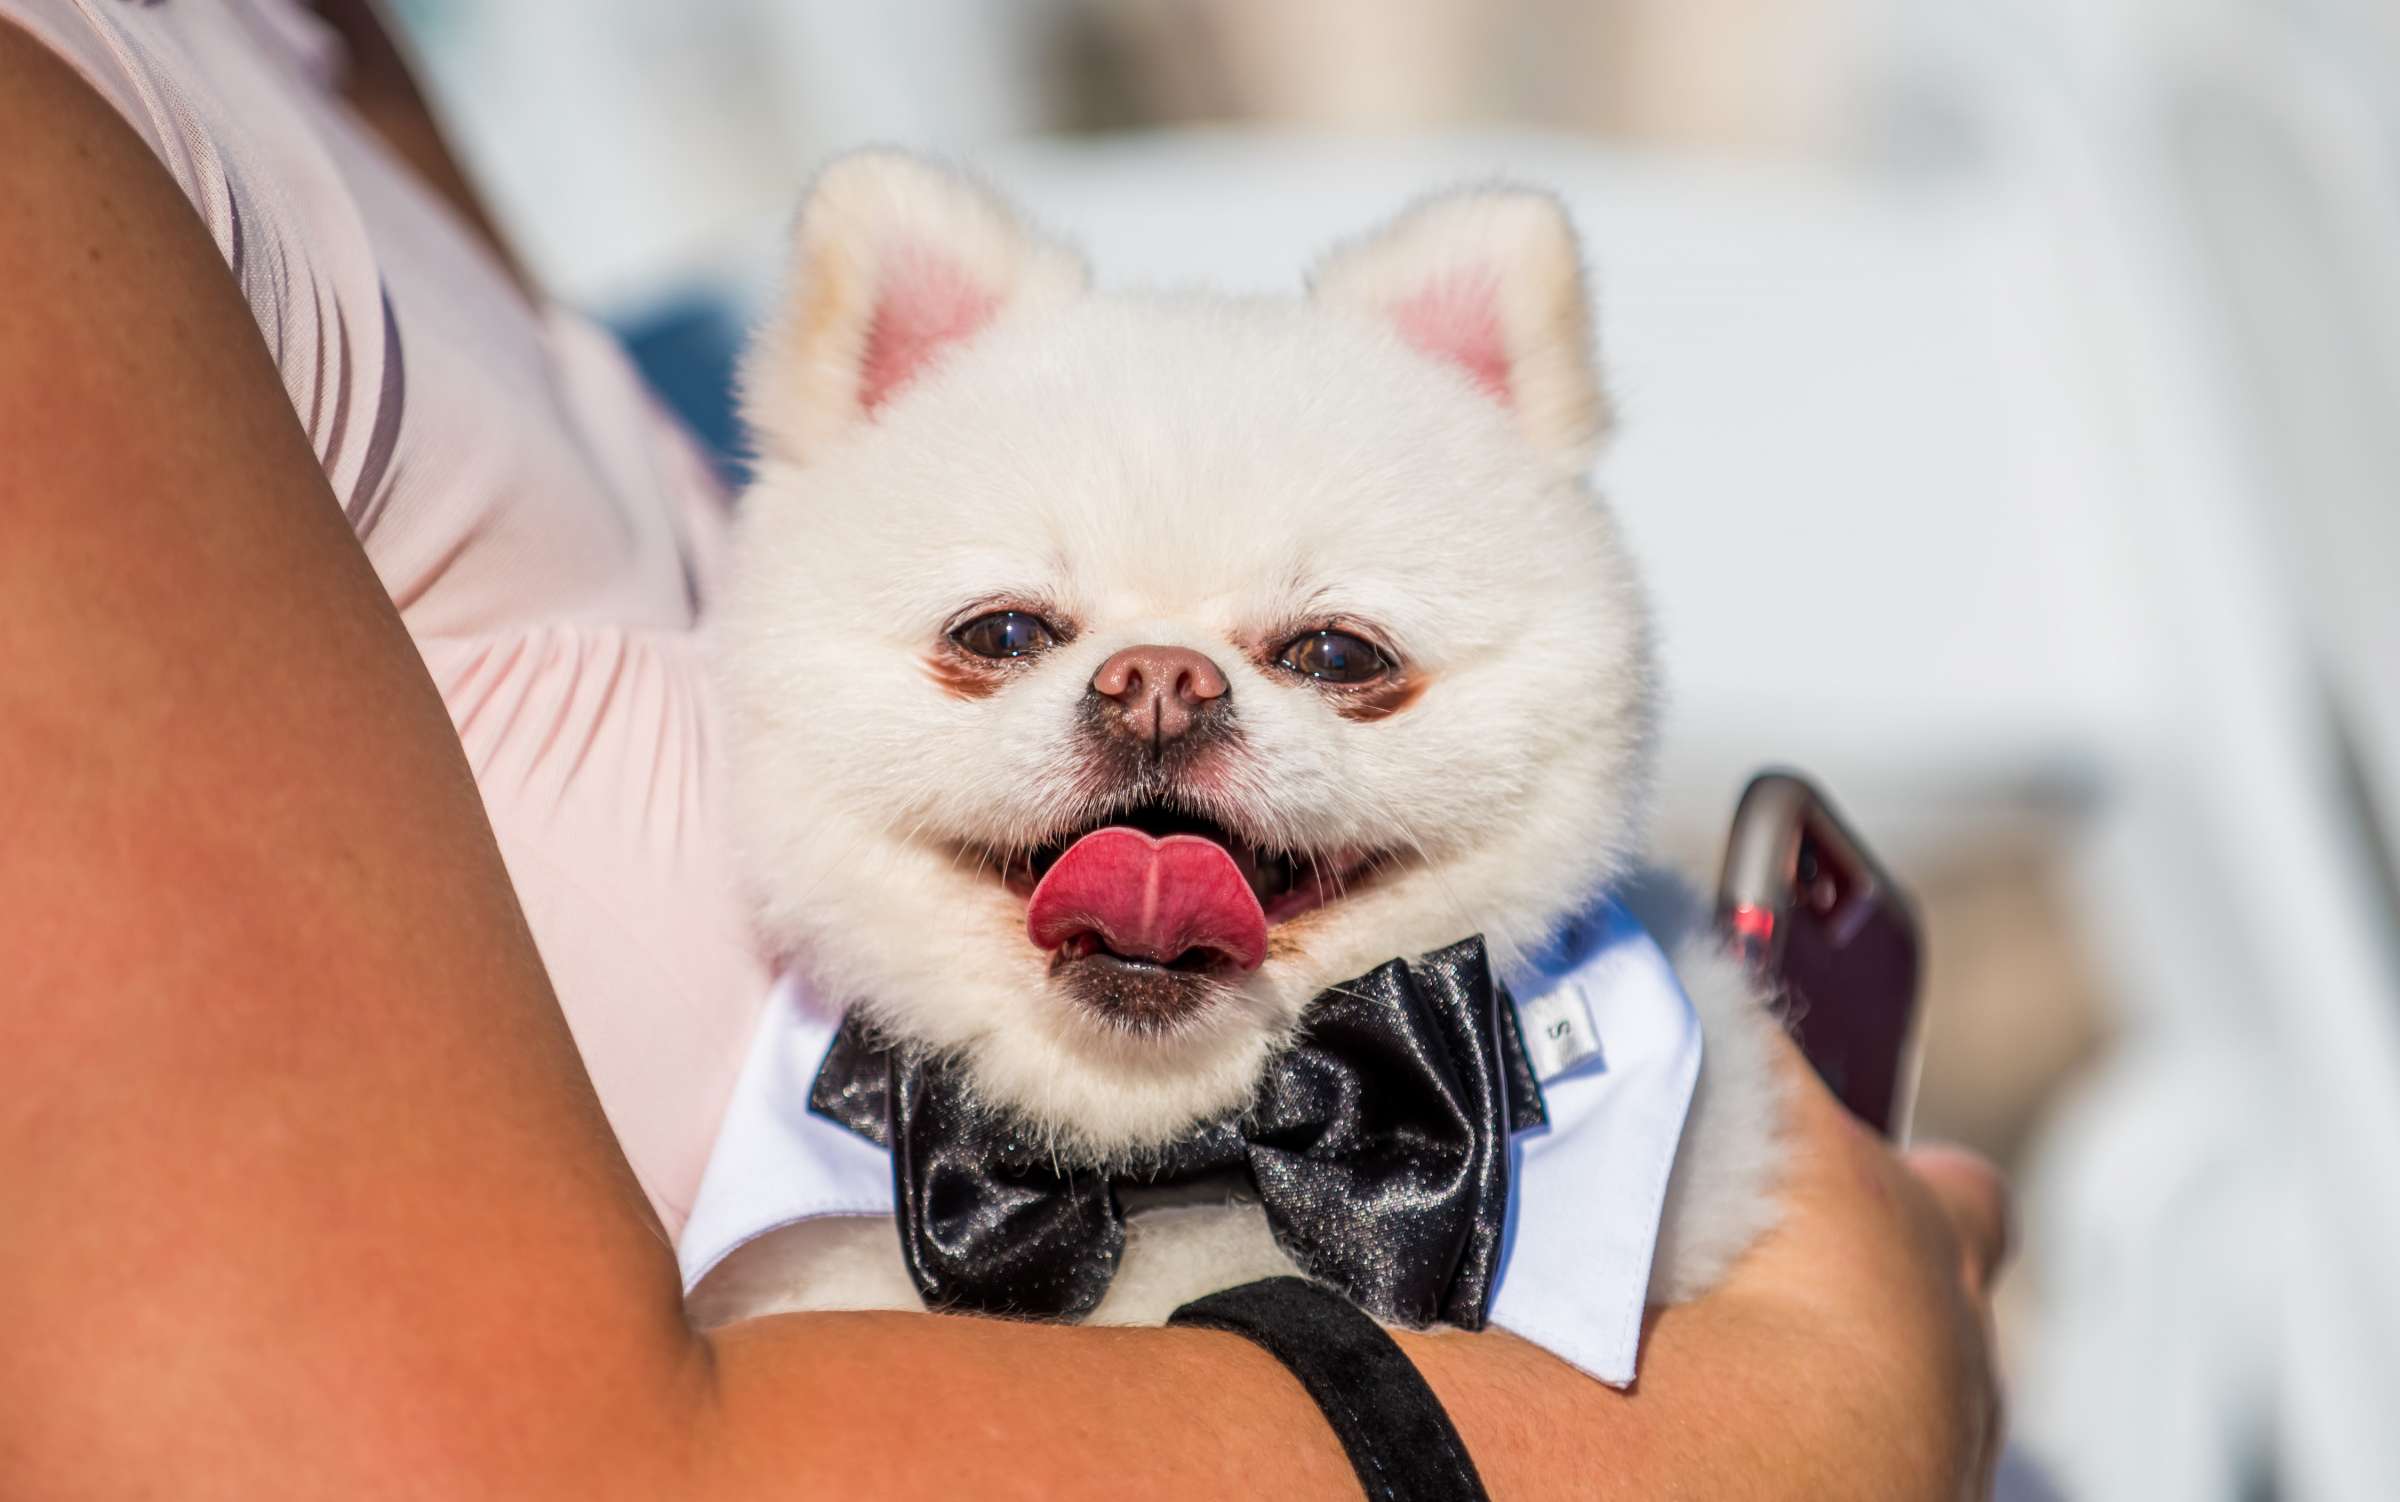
pixel 1404 448
pixel 874 221
pixel 1517 249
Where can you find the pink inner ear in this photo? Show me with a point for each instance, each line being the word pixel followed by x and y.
pixel 927 301
pixel 1458 319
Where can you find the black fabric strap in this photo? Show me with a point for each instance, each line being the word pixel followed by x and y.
pixel 1399 1440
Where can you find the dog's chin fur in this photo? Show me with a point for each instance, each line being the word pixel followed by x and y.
pixel 1402 451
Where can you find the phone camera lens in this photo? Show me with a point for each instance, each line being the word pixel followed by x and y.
pixel 1823 895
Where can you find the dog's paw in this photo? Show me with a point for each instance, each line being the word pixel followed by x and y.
pixel 831 1262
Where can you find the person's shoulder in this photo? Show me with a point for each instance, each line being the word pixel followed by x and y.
pixel 111 274
pixel 66 128
pixel 102 46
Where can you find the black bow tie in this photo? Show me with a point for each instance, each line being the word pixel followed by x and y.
pixel 1378 1145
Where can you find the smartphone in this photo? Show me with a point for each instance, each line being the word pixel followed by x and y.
pixel 1805 903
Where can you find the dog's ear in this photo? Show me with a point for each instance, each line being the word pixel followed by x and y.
pixel 895 262
pixel 1488 280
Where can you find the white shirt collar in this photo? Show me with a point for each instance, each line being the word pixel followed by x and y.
pixel 1610 1031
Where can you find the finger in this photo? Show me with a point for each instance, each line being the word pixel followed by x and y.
pixel 1975 1197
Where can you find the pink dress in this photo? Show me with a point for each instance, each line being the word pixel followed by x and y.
pixel 548 533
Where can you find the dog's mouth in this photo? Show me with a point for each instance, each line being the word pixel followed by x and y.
pixel 1161 889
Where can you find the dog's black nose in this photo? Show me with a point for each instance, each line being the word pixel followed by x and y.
pixel 1160 693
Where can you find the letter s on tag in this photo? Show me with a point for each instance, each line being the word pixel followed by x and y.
pixel 1559 1035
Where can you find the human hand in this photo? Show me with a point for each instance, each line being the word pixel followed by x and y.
pixel 1849 1354
pixel 1900 1250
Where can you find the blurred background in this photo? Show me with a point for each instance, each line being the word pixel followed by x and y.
pixel 2011 427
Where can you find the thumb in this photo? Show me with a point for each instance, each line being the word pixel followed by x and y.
pixel 1975 1198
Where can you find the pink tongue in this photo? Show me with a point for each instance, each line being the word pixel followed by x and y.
pixel 1149 899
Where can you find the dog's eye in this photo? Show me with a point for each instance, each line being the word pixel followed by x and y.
pixel 1334 657
pixel 1005 633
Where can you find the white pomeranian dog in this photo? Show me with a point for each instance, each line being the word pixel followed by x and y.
pixel 1110 674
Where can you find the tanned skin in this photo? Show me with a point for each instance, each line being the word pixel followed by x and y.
pixel 307 1194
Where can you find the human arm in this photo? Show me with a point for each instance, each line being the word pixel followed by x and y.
pixel 307 1193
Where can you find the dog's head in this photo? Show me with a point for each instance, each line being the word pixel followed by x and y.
pixel 1110 674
